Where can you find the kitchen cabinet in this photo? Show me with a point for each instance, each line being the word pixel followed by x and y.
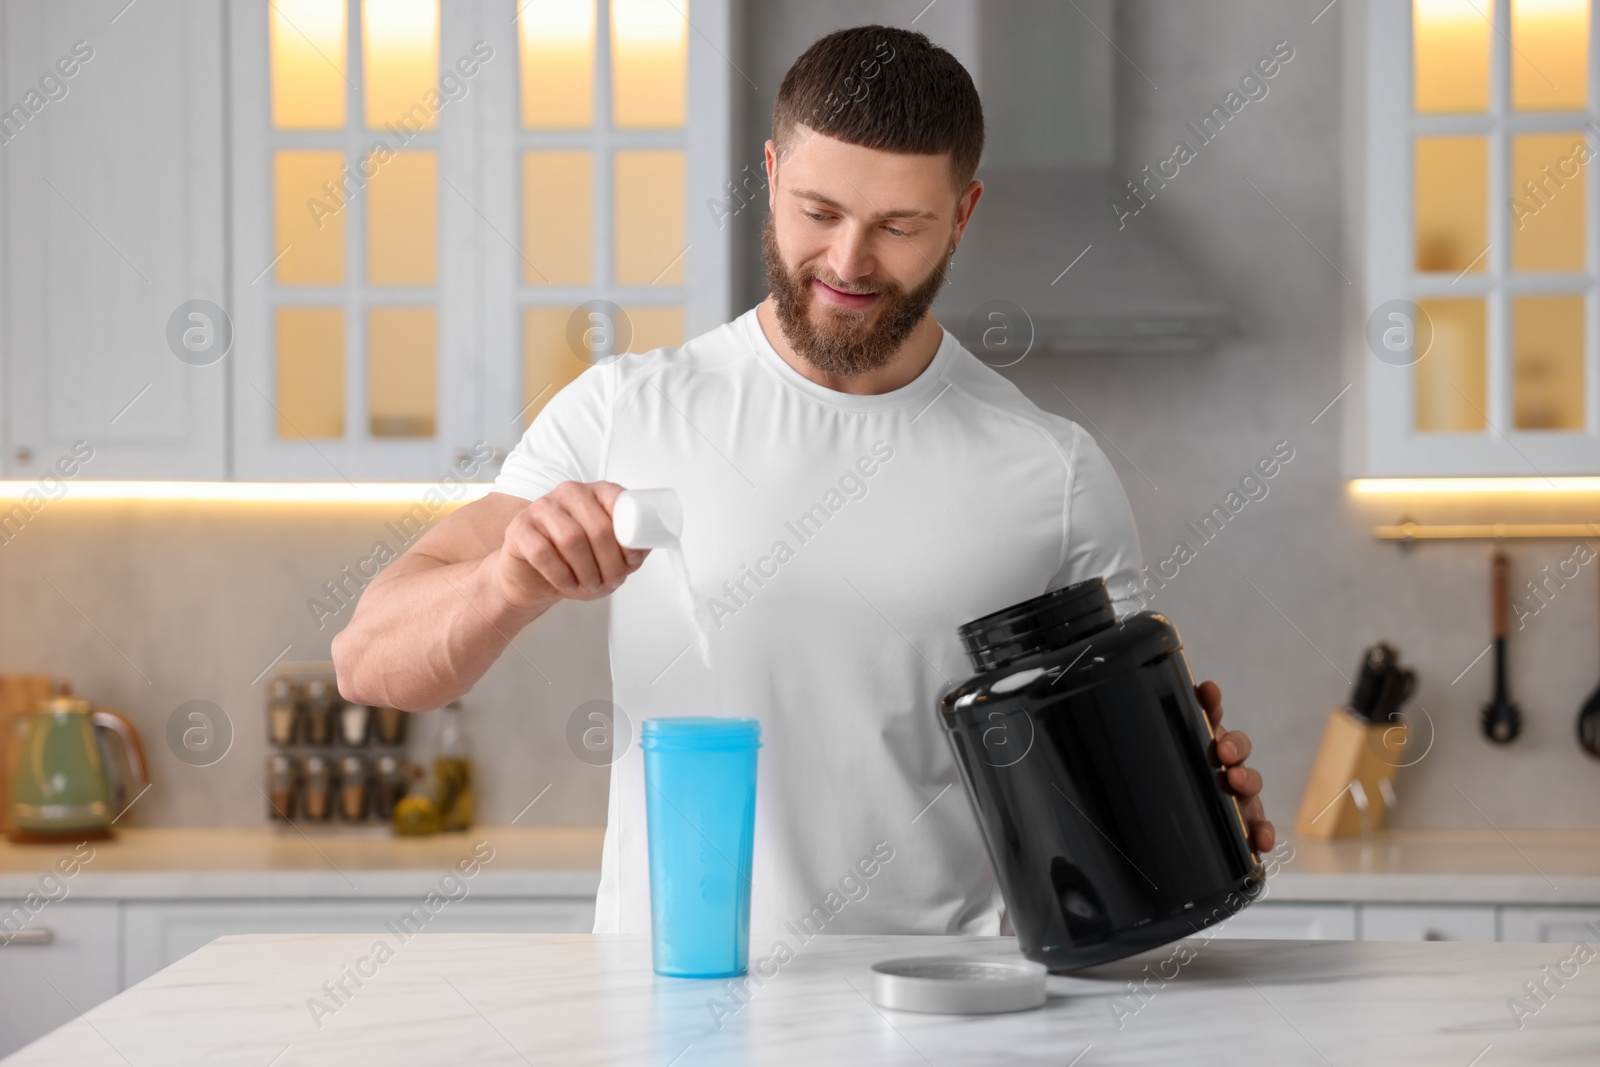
pixel 367 313
pixel 157 933
pixel 1317 922
pixel 1566 926
pixel 113 215
pixel 354 241
pixel 1476 339
pixel 91 950
pixel 1427 922
pixel 62 963
pixel 418 270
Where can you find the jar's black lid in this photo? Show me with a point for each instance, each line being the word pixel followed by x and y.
pixel 1057 617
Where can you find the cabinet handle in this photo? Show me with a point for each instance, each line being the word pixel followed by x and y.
pixel 42 936
pixel 1433 935
pixel 22 454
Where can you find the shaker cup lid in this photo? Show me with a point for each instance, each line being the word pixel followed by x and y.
pixel 700 732
pixel 958 985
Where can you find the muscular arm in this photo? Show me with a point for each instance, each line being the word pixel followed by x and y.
pixel 429 626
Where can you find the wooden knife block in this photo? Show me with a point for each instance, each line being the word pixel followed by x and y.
pixel 19 695
pixel 1350 786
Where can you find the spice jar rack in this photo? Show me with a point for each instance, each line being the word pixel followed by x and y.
pixel 332 761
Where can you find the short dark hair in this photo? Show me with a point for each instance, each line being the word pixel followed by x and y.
pixel 887 88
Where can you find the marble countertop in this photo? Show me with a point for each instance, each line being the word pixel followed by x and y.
pixel 1447 866
pixel 267 861
pixel 1465 867
pixel 579 999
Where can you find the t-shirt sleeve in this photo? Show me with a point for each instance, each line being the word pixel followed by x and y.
pixel 1101 539
pixel 566 442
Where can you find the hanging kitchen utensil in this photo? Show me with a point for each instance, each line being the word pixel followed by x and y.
pixel 1589 724
pixel 1502 720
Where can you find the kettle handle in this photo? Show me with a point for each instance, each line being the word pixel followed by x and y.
pixel 118 724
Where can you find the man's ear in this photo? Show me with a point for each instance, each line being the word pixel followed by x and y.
pixel 771 161
pixel 964 206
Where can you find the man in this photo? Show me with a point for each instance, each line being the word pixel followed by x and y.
pixel 855 485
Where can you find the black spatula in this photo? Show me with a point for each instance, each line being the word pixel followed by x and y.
pixel 1502 720
pixel 1589 724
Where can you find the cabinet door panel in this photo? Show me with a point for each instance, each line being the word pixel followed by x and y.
pixel 1552 925
pixel 1427 922
pixel 1314 922
pixel 69 945
pixel 114 219
pixel 159 933
pixel 355 271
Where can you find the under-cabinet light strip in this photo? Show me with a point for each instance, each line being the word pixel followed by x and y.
pixel 246 492
pixel 414 492
pixel 1408 486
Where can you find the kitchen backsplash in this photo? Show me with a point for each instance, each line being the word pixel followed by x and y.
pixel 146 606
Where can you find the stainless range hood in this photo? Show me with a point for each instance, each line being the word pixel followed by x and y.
pixel 1047 256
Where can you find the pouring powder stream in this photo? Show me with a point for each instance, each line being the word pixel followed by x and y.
pixel 683 590
pixel 653 519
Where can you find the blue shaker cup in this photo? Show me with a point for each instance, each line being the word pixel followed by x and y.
pixel 700 809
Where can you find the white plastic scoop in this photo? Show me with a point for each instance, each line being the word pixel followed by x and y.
pixel 653 518
pixel 647 518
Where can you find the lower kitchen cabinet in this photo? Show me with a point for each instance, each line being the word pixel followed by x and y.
pixel 62 961
pixel 1559 925
pixel 1317 922
pixel 158 933
pixel 1427 922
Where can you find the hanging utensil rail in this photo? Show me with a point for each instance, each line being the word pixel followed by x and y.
pixel 1412 532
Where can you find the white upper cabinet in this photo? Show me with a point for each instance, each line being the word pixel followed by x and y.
pixel 345 240
pixel 1482 353
pixel 113 212
pixel 354 237
pixel 445 212
pixel 605 157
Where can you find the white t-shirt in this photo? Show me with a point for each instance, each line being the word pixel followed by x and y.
pixel 837 541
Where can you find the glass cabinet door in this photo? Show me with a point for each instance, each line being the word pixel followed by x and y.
pixel 1482 238
pixel 602 137
pixel 354 124
pixel 445 212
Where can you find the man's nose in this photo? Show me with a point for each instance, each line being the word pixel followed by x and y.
pixel 850 258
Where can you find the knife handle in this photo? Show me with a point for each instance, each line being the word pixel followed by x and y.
pixel 1501 592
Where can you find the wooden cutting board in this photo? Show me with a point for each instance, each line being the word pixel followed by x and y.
pixel 19 695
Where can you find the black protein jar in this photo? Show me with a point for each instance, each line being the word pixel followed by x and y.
pixel 1088 762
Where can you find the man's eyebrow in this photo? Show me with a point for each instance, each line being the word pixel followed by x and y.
pixel 880 216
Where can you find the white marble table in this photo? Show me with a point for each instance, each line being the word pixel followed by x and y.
pixel 578 999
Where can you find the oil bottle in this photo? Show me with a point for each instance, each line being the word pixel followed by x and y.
pixel 452 771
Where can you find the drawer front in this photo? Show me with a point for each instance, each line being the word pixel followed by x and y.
pixel 158 933
pixel 62 961
pixel 1292 922
pixel 1427 922
pixel 1566 926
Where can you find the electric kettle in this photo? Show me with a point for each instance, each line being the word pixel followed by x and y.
pixel 65 785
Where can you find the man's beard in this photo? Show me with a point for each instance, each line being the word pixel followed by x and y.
pixel 846 345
